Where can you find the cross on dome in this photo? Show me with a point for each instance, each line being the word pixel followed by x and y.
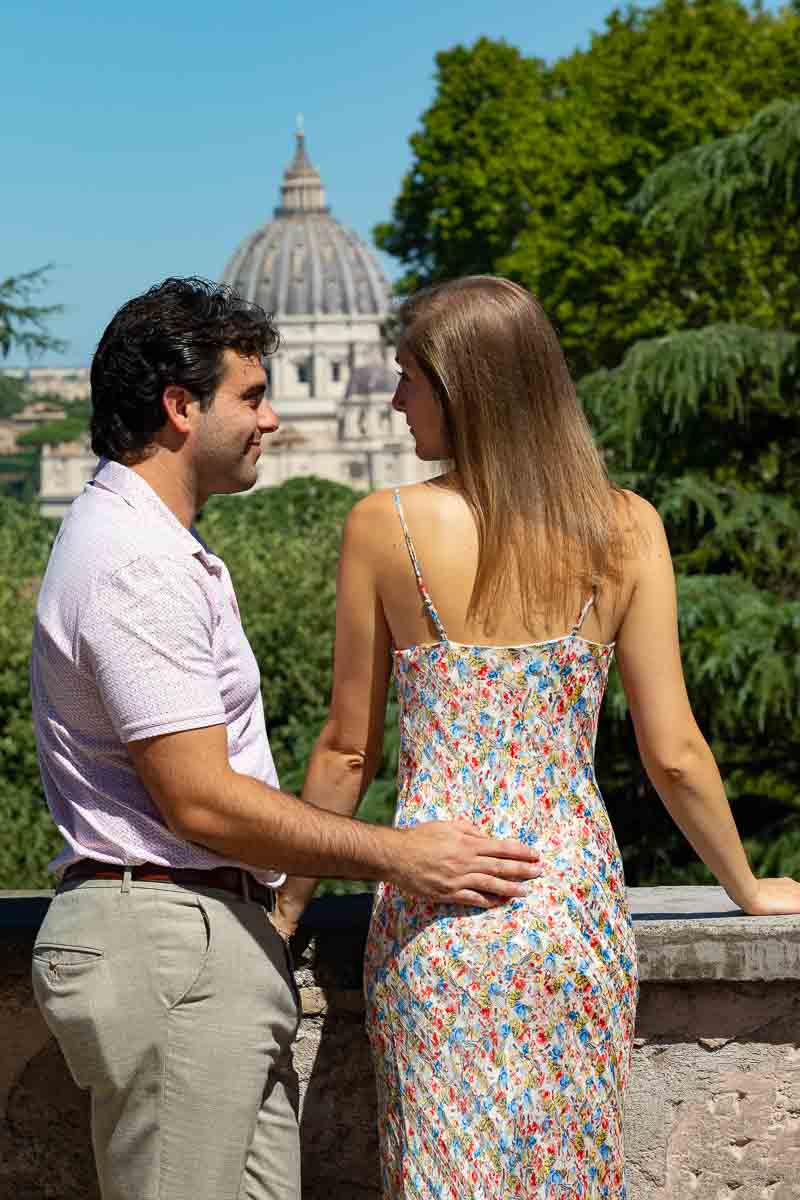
pixel 301 190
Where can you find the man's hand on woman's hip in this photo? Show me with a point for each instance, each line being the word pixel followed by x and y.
pixel 453 862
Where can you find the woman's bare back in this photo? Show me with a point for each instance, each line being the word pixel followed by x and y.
pixel 446 539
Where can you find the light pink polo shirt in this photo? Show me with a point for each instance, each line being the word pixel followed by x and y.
pixel 137 633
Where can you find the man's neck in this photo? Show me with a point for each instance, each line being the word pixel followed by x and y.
pixel 163 472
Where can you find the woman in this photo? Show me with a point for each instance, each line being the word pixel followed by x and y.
pixel 501 1030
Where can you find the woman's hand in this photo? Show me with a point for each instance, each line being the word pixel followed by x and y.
pixel 286 916
pixel 773 898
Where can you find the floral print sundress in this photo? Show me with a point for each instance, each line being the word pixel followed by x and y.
pixel 501 1039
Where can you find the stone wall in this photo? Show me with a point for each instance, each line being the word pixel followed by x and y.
pixel 713 1108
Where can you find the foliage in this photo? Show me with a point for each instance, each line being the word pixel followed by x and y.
pixel 23 324
pixel 647 190
pixel 530 171
pixel 69 428
pixel 20 471
pixel 19 475
pixel 474 178
pixel 709 418
pixel 715 382
pixel 737 177
pixel 29 837
pixel 281 546
pixel 13 396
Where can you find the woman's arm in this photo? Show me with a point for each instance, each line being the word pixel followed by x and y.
pixel 676 756
pixel 349 749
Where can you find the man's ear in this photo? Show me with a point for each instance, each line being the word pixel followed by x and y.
pixel 178 407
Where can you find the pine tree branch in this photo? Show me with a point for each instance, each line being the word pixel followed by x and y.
pixel 741 648
pixel 756 167
pixel 755 531
pixel 744 642
pixel 681 372
pixel 23 324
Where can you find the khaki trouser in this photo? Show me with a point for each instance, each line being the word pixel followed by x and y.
pixel 177 1009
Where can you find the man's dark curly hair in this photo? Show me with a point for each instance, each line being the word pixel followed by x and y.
pixel 176 333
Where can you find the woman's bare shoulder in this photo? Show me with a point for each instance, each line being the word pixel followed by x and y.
pixel 375 506
pixel 640 524
pixel 371 522
pixel 373 525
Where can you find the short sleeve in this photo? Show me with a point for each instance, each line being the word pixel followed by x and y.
pixel 148 640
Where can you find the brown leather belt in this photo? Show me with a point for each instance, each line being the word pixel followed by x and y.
pixel 229 879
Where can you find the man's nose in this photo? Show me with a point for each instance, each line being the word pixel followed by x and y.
pixel 397 404
pixel 267 418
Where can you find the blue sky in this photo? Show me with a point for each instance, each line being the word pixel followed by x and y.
pixel 146 140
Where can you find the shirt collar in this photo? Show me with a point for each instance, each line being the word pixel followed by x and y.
pixel 137 493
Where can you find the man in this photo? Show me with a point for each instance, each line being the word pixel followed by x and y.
pixel 170 992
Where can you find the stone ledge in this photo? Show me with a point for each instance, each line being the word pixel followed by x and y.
pixel 683 934
pixel 697 933
pixel 713 1102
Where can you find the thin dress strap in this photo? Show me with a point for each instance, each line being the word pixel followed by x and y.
pixel 423 591
pixel 584 611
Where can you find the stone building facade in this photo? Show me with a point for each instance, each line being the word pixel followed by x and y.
pixel 70 383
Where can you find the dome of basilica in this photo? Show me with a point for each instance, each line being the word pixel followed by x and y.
pixel 304 262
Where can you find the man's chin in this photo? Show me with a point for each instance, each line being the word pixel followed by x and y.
pixel 245 482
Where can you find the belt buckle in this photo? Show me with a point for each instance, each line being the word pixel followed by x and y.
pixel 252 889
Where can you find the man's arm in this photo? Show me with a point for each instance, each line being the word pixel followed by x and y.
pixel 201 799
pixel 147 639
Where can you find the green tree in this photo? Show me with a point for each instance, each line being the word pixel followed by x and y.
pixel 14 395
pixel 69 428
pixel 749 177
pixel 705 423
pixel 23 323
pixel 29 836
pixel 477 157
pixel 529 171
pixel 23 326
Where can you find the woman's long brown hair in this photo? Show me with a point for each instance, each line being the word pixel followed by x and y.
pixel 521 446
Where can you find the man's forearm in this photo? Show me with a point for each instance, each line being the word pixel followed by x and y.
pixel 254 823
pixel 202 800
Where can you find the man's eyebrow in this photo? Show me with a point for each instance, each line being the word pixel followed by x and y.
pixel 255 389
